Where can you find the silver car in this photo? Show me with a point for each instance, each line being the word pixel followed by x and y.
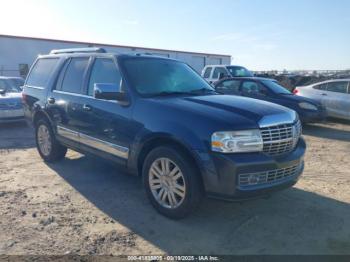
pixel 11 108
pixel 334 95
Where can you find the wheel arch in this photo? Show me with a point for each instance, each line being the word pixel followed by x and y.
pixel 155 142
pixel 39 114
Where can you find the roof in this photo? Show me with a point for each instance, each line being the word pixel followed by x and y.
pixel 250 78
pixel 5 77
pixel 106 55
pixel 109 45
pixel 223 65
pixel 329 81
pixel 14 77
pixel 337 80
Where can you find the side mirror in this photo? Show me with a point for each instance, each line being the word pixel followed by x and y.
pixel 2 91
pixel 108 92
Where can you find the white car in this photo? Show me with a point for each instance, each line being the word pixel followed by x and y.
pixel 334 95
pixel 11 108
pixel 213 73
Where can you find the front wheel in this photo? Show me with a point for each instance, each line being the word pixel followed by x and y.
pixel 172 182
pixel 48 147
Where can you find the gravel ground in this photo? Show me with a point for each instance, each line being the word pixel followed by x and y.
pixel 84 205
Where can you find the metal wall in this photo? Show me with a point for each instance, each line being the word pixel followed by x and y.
pixel 20 52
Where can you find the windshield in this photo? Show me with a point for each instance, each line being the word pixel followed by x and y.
pixel 275 87
pixel 9 86
pixel 154 76
pixel 239 71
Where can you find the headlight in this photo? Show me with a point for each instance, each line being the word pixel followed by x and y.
pixel 305 105
pixel 237 141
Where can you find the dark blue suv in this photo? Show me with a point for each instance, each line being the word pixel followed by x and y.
pixel 309 110
pixel 158 118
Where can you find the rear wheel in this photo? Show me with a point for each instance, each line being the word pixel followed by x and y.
pixel 172 182
pixel 48 147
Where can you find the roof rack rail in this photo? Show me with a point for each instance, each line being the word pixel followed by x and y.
pixel 144 53
pixel 78 50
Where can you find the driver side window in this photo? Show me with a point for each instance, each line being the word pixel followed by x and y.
pixel 229 85
pixel 253 88
pixel 104 71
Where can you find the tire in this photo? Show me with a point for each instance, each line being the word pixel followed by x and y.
pixel 183 191
pixel 53 151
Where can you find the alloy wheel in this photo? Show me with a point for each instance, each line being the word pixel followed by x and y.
pixel 167 183
pixel 44 140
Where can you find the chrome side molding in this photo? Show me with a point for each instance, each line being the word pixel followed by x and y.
pixel 105 146
pixel 68 133
pixel 117 150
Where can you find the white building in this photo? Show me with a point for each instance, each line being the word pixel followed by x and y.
pixel 17 53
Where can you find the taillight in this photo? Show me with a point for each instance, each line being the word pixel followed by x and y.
pixel 295 91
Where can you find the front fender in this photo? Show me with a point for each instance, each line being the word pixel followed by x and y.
pixel 179 134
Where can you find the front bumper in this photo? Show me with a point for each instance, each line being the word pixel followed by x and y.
pixel 11 115
pixel 221 172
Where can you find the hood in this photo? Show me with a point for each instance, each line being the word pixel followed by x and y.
pixel 234 111
pixel 250 108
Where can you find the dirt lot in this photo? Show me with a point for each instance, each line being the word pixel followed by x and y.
pixel 86 206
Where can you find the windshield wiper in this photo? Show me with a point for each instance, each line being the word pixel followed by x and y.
pixel 202 90
pixel 190 92
pixel 169 93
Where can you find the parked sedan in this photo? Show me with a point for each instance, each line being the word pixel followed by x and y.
pixel 11 109
pixel 18 81
pixel 334 95
pixel 266 89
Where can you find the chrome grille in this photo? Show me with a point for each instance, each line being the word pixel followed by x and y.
pixel 266 177
pixel 280 139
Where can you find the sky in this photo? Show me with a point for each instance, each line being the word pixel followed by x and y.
pixel 258 34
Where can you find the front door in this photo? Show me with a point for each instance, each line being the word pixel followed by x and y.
pixel 337 99
pixel 254 90
pixel 108 122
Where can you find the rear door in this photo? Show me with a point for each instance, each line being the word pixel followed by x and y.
pixel 64 102
pixel 336 99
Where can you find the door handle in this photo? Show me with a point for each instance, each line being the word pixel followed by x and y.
pixel 87 107
pixel 323 94
pixel 51 100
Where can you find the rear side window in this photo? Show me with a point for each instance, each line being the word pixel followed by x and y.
pixel 320 87
pixel 104 71
pixel 207 72
pixel 339 87
pixel 74 75
pixel 41 72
